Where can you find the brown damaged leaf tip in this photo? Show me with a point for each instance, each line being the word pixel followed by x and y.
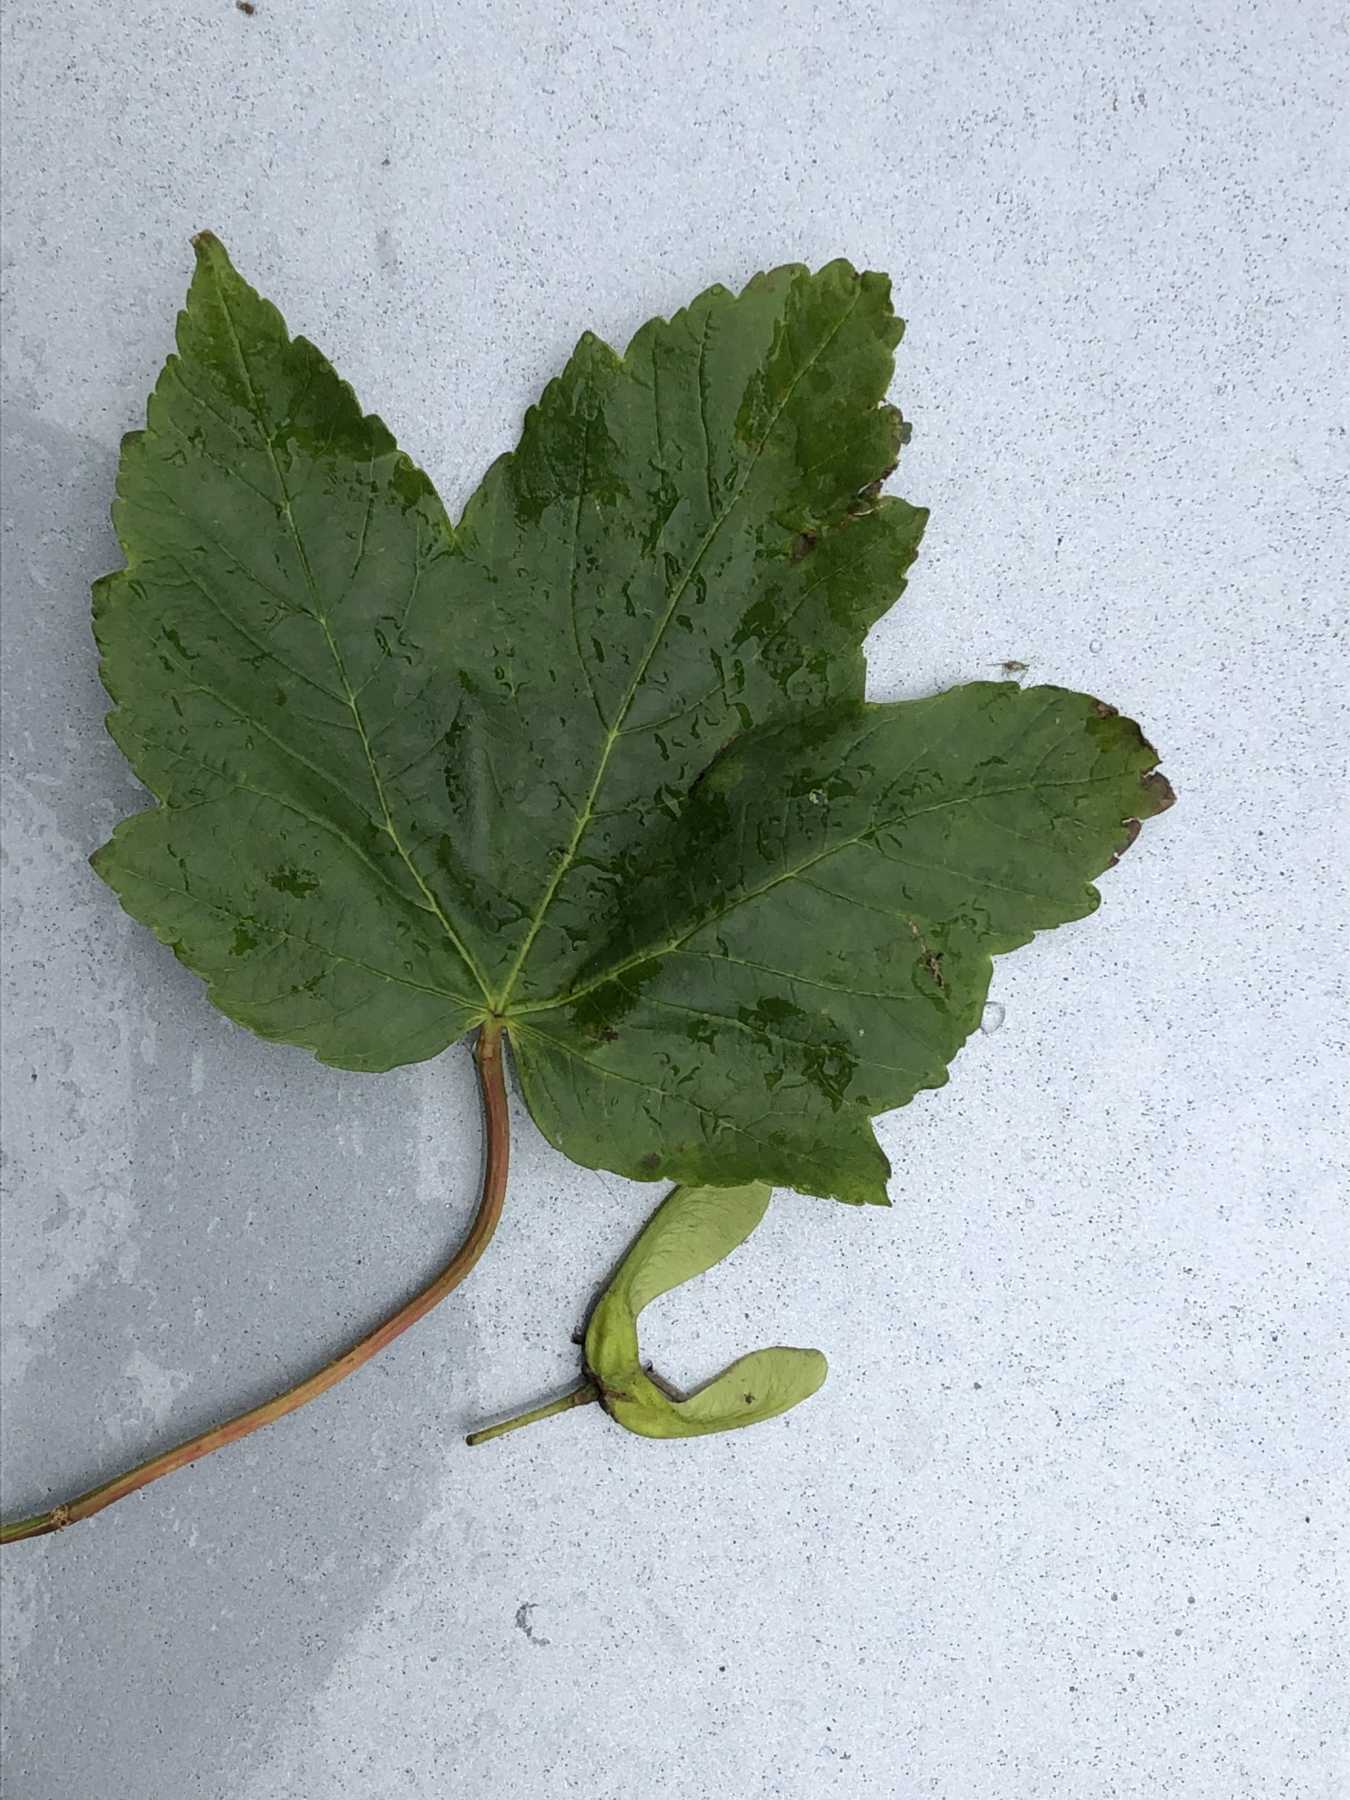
pixel 1132 829
pixel 1159 790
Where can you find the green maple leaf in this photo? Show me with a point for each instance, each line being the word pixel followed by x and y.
pixel 410 777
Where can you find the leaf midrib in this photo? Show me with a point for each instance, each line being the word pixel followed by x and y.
pixel 297 937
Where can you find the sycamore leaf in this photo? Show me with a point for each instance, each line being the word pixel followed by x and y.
pixel 691 1230
pixel 410 778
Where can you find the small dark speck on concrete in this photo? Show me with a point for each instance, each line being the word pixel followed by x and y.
pixel 246 6
pixel 523 1612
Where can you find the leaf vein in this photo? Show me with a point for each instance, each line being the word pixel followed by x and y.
pixel 298 937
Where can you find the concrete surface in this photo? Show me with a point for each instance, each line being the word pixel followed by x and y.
pixel 1069 1520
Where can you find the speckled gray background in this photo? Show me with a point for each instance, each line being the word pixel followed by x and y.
pixel 1067 1522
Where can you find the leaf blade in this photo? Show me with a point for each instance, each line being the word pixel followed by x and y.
pixel 753 1021
pixel 231 647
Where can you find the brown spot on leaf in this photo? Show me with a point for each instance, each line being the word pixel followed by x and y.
pixel 1104 711
pixel 650 1161
pixel 931 959
pixel 805 543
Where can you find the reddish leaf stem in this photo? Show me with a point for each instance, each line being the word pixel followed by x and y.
pixel 488 1058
